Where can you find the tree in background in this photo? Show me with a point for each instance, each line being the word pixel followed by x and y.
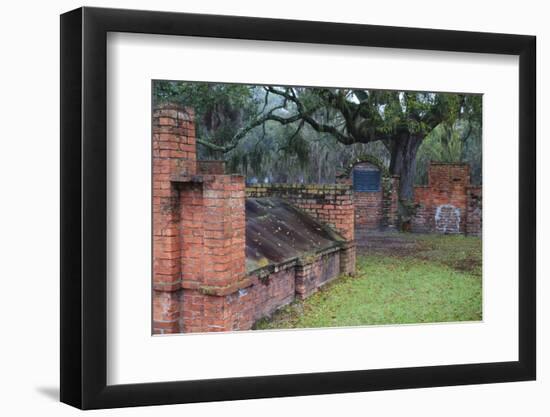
pixel 459 142
pixel 298 133
pixel 220 109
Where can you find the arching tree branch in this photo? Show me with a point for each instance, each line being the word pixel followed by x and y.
pixel 259 121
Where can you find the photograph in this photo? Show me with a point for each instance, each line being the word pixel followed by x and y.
pixel 278 207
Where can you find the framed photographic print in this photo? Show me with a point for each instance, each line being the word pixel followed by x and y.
pixel 257 208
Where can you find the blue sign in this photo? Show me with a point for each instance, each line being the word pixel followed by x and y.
pixel 366 180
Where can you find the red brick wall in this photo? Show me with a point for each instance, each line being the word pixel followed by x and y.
pixel 443 206
pixel 174 145
pixel 173 150
pixel 213 248
pixel 213 231
pixel 368 204
pixel 192 311
pixel 423 220
pixel 313 273
pixel 368 209
pixel 375 209
pixel 203 313
pixel 191 233
pixel 211 167
pixel 166 311
pixel 347 259
pixel 271 290
pixel 331 204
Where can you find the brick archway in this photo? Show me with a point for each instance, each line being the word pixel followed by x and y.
pixel 365 158
pixel 374 208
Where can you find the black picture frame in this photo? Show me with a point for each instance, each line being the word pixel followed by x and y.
pixel 84 207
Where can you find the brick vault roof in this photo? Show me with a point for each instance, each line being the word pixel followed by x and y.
pixel 277 232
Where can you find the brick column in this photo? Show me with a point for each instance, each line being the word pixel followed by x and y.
pixel 213 231
pixel 198 231
pixel 441 206
pixel 448 184
pixel 213 254
pixel 173 151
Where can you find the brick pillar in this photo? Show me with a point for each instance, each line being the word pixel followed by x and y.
pixel 213 231
pixel 213 255
pixel 348 259
pixel 173 151
pixel 192 233
pixel 448 184
pixel 345 224
pixel 198 231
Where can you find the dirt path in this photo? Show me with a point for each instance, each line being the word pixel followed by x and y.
pixel 456 251
pixel 386 243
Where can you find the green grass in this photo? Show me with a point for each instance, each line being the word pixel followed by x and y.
pixel 437 280
pixel 458 252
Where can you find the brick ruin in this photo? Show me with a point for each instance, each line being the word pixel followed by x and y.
pixel 210 273
pixel 448 204
pixel 330 204
pixel 376 206
pixel 226 255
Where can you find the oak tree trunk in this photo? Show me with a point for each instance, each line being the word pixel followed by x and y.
pixel 403 163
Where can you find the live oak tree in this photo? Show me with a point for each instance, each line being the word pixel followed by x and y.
pixel 401 120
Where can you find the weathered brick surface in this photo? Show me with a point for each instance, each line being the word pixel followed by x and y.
pixel 331 204
pixel 213 249
pixel 312 273
pixel 211 167
pixel 173 152
pixel 203 313
pixel 448 204
pixel 174 143
pixel 166 311
pixel 224 224
pixel 192 233
pixel 368 209
pixel 270 290
pixel 474 214
pixel 348 259
pixel 240 309
pixel 375 209
pixel 265 292
pixel 273 291
pixel 423 220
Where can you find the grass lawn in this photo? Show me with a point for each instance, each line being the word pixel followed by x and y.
pixel 423 279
